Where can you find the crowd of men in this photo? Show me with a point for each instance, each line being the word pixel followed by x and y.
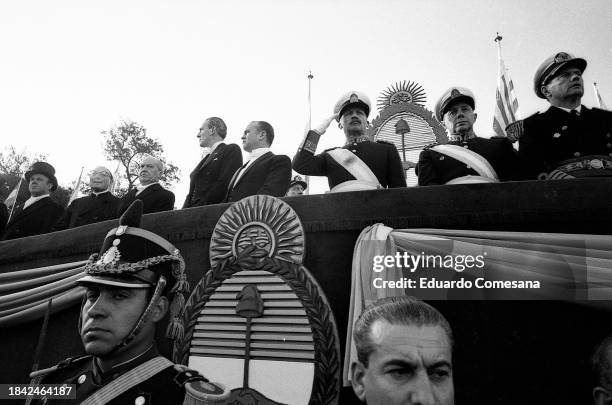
pixel 569 140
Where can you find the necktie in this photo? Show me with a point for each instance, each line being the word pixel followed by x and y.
pixel 575 113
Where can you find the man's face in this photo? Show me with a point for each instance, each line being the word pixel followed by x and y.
pixel 251 139
pixel 409 365
pixel 354 121
pixel 149 171
pixel 39 185
pixel 99 180
pixel 566 84
pixel 108 316
pixel 205 135
pixel 459 118
pixel 295 190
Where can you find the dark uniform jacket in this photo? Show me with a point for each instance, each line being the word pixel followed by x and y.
pixel 154 198
pixel 3 218
pixel 165 387
pixel 211 177
pixel 381 157
pixel 269 174
pixel 437 168
pixel 549 138
pixel 88 210
pixel 38 218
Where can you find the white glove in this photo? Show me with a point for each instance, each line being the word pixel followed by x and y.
pixel 322 127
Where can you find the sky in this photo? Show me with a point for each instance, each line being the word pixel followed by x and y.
pixel 72 69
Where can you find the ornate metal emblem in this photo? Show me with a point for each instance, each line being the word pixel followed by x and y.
pixel 561 57
pixel 401 92
pixel 258 316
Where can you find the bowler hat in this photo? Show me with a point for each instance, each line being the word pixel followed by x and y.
pixel 45 169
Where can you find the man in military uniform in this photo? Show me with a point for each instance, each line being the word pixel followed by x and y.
pixel 467 158
pixel 130 287
pixel 99 206
pixel 296 187
pixel 568 140
pixel 360 164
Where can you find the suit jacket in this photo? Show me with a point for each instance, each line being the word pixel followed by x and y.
pixel 38 218
pixel 3 218
pixel 556 135
pixel 211 177
pixel 270 174
pixel 437 168
pixel 88 210
pixel 154 198
pixel 381 157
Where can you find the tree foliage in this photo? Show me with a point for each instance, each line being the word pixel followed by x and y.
pixel 127 143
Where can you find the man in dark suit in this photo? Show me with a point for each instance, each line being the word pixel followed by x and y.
pixel 154 197
pixel 99 206
pixel 467 158
pixel 38 213
pixel 264 172
pixel 210 178
pixel 568 140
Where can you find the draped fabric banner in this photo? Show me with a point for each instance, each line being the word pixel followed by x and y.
pixel 24 294
pixel 438 264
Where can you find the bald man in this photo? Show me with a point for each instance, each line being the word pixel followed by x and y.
pixel 99 206
pixel 154 197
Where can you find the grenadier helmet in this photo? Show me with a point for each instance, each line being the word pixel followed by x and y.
pixel 132 257
pixel 45 169
pixel 551 67
pixel 452 95
pixel 351 99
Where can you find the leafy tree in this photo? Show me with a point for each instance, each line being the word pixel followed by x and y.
pixel 128 143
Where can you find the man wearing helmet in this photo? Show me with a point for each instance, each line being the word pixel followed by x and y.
pixel 466 158
pixel 360 164
pixel 137 279
pixel 568 140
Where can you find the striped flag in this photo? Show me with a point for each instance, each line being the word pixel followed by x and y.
pixel 506 106
pixel 12 197
pixel 115 182
pixel 598 98
pixel 75 192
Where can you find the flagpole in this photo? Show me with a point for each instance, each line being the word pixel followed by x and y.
pixel 310 77
pixel 498 40
pixel 16 196
pixel 76 187
pixel 598 99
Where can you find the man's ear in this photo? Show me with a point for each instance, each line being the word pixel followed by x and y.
pixel 601 396
pixel 545 91
pixel 475 116
pixel 159 309
pixel 358 372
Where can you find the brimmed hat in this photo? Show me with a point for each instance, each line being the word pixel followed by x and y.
pixel 551 66
pixel 453 95
pixel 132 257
pixel 45 169
pixel 298 180
pixel 352 99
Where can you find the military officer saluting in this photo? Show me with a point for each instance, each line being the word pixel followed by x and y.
pixel 466 158
pixel 136 280
pixel 568 140
pixel 360 164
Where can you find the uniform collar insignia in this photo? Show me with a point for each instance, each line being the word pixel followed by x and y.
pixel 362 138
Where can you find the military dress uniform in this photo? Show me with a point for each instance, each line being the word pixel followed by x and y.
pixel 437 168
pixel 131 258
pixel 165 387
pixel 557 138
pixel 380 156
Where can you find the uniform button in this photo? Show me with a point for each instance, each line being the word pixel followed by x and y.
pixel 466 146
pixel 82 379
pixel 139 400
pixel 608 135
pixel 468 166
pixel 609 145
pixel 576 154
pixel 354 150
pixel 564 128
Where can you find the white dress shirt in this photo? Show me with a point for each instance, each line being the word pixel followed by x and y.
pixel 253 156
pixel 32 200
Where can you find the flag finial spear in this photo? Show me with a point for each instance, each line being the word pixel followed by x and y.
pixel 498 38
